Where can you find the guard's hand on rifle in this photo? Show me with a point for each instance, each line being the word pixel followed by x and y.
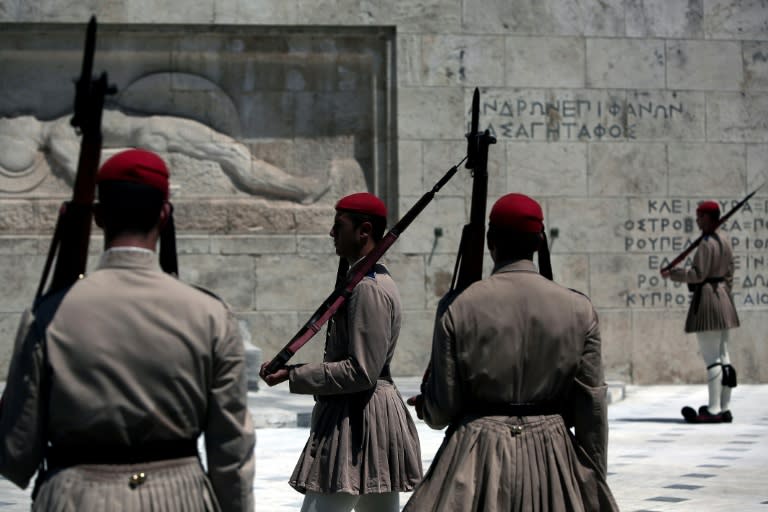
pixel 417 402
pixel 666 273
pixel 272 379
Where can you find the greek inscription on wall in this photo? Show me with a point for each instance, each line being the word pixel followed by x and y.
pixel 668 227
pixel 574 119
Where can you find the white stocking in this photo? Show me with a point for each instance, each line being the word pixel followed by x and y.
pixel 709 345
pixel 725 396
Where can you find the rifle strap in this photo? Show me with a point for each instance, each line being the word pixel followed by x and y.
pixel 545 264
pixel 168 258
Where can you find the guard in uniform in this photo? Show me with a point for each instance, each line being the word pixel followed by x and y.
pixel 516 363
pixel 363 448
pixel 711 313
pixel 114 379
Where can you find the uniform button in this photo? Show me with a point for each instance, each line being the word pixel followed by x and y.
pixel 137 479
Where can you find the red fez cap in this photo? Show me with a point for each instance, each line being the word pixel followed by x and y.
pixel 362 202
pixel 708 207
pixel 136 166
pixel 518 212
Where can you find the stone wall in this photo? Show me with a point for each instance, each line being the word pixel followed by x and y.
pixel 618 115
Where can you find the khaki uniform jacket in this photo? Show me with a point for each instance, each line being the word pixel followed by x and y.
pixel 133 356
pixel 712 306
pixel 362 439
pixel 517 338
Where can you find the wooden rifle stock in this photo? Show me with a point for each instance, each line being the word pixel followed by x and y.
pixel 73 228
pixel 680 257
pixel 345 287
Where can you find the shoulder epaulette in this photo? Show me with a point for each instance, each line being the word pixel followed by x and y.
pixel 580 293
pixel 210 293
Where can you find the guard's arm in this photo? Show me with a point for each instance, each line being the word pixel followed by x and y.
pixel 22 413
pixel 229 433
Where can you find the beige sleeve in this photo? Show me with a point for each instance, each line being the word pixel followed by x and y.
pixel 229 434
pixel 22 407
pixel 587 404
pixel 369 317
pixel 699 269
pixel 443 400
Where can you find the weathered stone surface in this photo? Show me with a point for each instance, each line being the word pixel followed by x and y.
pixel 436 16
pixel 19 11
pixel 440 156
pixel 315 220
pixel 663 115
pixel 9 323
pixel 448 214
pixel 629 63
pixel 270 331
pixel 704 65
pixel 550 61
pixel 230 277
pixel 193 244
pixel 700 169
pixel 661 351
pixel 200 216
pixel 408 60
pixel 747 346
pixel 19 273
pixel 623 169
pixel 430 112
pixel 755 65
pixel 292 282
pixel 462 60
pixel 757 174
pixel 596 228
pixel 570 17
pixel 592 115
pixel 534 168
pixel 415 343
pixel 736 117
pixel 19 245
pixel 438 275
pixel 258 244
pixel 410 166
pixel 616 337
pixel 408 273
pixel 329 12
pixel 284 12
pixel 569 270
pixel 17 216
pixel 316 244
pixel 735 19
pixel 612 279
pixel 664 18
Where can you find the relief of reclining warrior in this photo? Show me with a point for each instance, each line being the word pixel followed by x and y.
pixel 25 141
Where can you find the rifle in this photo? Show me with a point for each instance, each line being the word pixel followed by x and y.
pixel 680 257
pixel 469 260
pixel 344 287
pixel 73 228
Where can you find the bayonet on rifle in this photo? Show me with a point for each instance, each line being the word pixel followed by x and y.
pixel 70 241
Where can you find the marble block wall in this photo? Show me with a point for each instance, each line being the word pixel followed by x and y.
pixel 618 115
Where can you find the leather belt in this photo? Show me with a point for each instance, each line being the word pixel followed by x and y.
pixel 515 409
pixel 64 456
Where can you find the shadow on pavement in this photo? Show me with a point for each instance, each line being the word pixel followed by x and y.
pixel 652 420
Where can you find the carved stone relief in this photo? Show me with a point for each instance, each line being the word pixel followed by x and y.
pixel 286 115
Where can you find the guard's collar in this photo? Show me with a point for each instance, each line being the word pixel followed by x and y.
pixel 515 266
